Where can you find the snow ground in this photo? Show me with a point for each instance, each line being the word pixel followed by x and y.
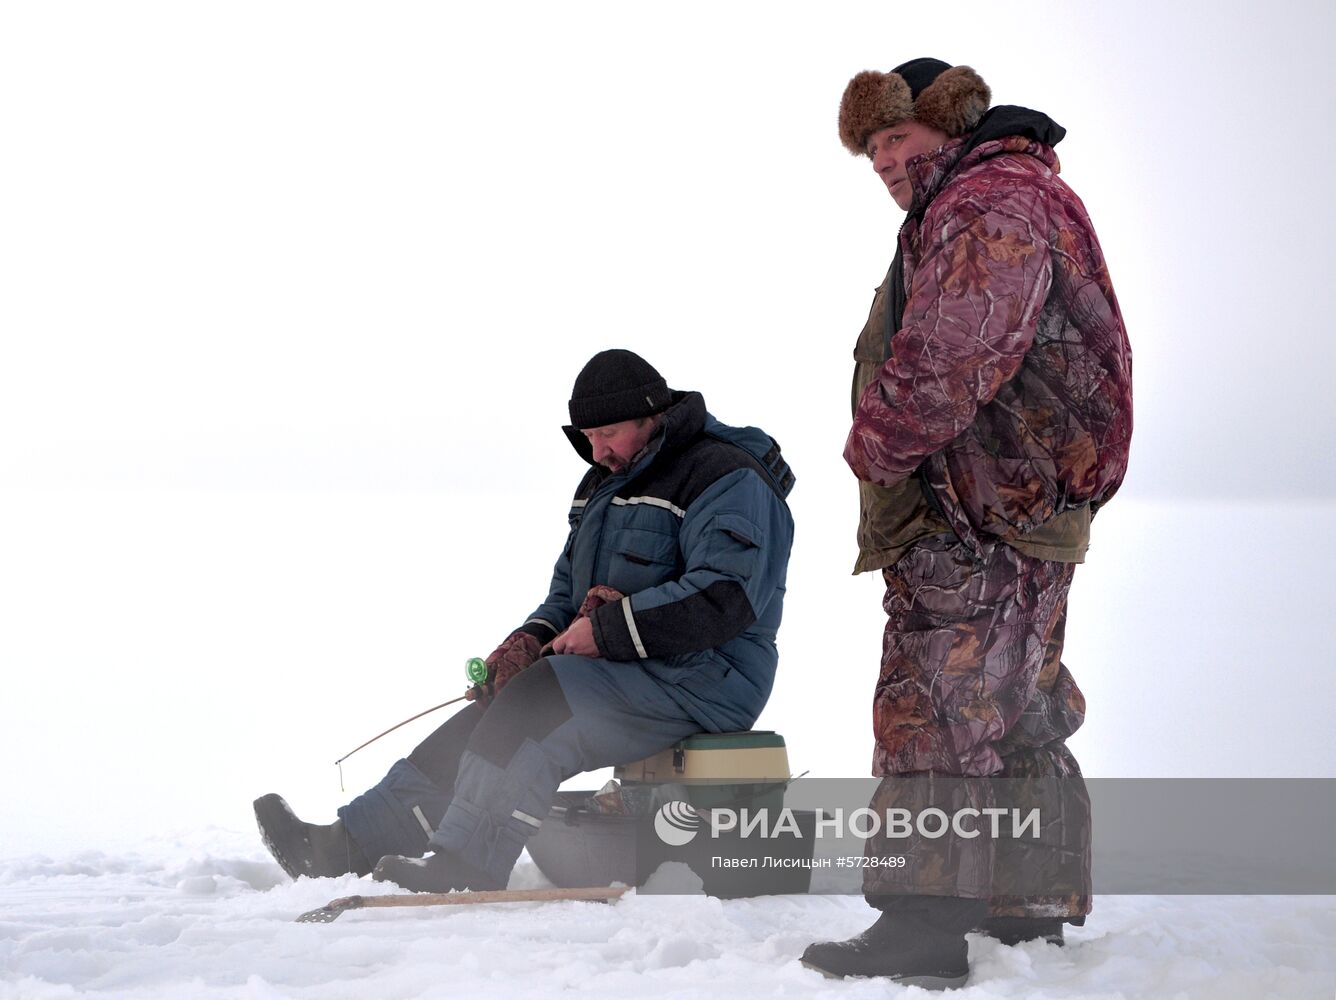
pixel 88 712
pixel 210 916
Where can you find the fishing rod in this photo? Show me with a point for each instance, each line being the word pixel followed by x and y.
pixel 475 669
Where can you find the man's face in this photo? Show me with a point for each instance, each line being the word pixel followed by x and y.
pixel 892 147
pixel 616 444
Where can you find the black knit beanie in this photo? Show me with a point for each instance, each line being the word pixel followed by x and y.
pixel 614 386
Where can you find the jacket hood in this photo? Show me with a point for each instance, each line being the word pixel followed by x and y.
pixel 685 420
pixel 1009 119
pixel 930 172
pixel 682 420
pixel 761 446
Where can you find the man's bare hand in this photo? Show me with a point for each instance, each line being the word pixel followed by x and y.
pixel 578 640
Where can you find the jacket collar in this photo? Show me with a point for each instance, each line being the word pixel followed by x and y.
pixel 1004 129
pixel 682 422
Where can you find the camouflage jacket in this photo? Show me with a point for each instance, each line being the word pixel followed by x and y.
pixel 1009 383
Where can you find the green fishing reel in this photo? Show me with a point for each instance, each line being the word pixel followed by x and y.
pixel 475 669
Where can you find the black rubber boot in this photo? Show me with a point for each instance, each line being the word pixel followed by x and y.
pixel 1019 930
pixel 439 872
pixel 917 941
pixel 305 848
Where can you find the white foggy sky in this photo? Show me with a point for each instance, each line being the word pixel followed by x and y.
pixel 338 245
pixel 292 295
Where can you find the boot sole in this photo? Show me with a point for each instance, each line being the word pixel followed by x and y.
pixel 272 809
pixel 924 982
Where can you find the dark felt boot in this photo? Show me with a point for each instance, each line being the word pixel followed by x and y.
pixel 917 941
pixel 305 848
pixel 1019 930
pixel 439 872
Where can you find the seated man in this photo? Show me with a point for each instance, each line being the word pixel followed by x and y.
pixel 660 623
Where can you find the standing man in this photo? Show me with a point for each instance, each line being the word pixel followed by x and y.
pixel 992 402
pixel 660 622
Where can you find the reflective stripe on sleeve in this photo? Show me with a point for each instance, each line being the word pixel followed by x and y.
pixel 631 627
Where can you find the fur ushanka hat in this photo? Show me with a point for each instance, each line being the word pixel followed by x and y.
pixel 950 98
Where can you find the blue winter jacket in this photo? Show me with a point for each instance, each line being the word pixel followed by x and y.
pixel 697 534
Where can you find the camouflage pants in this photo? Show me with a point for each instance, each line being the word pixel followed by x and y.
pixel 973 687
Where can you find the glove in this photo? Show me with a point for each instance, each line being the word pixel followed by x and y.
pixel 521 650
pixel 598 596
pixel 579 638
pixel 517 653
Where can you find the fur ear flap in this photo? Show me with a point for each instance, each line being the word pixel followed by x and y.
pixel 954 102
pixel 872 101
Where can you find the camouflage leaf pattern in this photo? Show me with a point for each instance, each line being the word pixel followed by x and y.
pixel 1062 857
pixel 996 869
pixel 972 684
pixel 1010 380
pixel 971 659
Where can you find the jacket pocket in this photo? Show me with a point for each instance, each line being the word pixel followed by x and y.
pixel 642 559
pixel 734 547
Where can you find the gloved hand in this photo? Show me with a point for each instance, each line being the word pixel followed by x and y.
pixel 598 596
pixel 517 653
pixel 578 639
pixel 521 650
